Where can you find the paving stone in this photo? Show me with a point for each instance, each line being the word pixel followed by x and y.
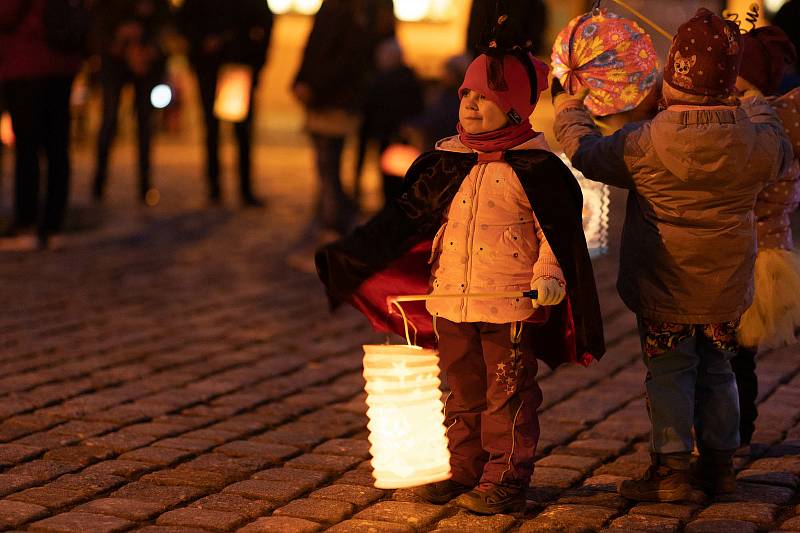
pixel 11 454
pixel 754 492
pixel 317 510
pixel 217 462
pixel 605 482
pixel 323 462
pixel 639 522
pixel 568 518
pixel 761 514
pixel 233 503
pixel 417 515
pixel 41 471
pixel 599 498
pixel 720 526
pixel 555 477
pixel 74 522
pixel 14 514
pixel 281 524
pixel 274 491
pixel 349 447
pixel 201 518
pixel 156 455
pixel 369 526
pixel 135 510
pixel 301 439
pixel 52 498
pixel 601 446
pixel 573 462
pixel 464 521
pixel 188 477
pixel 80 454
pixel 680 511
pixel 117 467
pixel 263 450
pixel 357 477
pixel 170 529
pixel 87 483
pixel 793 524
pixel 309 478
pixel 167 495
pixel 356 494
pixel 184 444
pixel 768 477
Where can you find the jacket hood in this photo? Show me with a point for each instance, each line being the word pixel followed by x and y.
pixel 703 142
pixel 454 144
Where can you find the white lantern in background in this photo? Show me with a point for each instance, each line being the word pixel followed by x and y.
pixel 232 101
pixel 406 419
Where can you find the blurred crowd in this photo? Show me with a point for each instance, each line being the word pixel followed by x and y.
pixel 353 81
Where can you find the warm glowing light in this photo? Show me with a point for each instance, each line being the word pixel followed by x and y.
pixel 233 92
pixel 161 96
pixel 6 130
pixel 406 419
pixel 279 7
pixel 397 159
pixel 307 7
pixel 773 5
pixel 596 197
pixel 411 10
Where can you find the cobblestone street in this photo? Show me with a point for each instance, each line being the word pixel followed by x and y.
pixel 165 372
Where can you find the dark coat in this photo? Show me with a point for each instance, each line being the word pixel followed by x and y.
pixel 574 331
pixel 245 27
pixel 24 51
pixel 393 97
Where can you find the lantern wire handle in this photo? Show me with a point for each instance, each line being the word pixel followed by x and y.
pixel 396 303
pixel 646 20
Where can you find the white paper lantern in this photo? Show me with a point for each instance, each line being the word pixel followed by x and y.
pixel 232 100
pixel 406 419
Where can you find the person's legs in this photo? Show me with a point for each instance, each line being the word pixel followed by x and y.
pixel 744 367
pixel 336 210
pixel 24 99
pixel 672 360
pixel 509 424
pixel 112 82
pixel 56 142
pixel 717 408
pixel 207 84
pixel 144 131
pixel 243 131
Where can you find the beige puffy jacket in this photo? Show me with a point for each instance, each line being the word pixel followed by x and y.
pixel 490 242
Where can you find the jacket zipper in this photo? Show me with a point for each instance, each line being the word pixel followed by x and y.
pixel 471 239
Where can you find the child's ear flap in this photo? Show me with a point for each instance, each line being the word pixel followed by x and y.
pixel 693 59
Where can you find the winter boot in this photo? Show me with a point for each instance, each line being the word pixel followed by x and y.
pixel 441 492
pixel 713 472
pixel 667 480
pixel 493 499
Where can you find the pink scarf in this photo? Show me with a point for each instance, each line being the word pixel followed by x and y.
pixel 498 140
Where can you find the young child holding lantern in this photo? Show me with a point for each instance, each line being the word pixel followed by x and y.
pixel 490 210
pixel 688 244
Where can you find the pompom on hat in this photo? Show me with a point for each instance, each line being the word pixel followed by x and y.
pixel 766 54
pixel 507 82
pixel 611 56
pixel 705 55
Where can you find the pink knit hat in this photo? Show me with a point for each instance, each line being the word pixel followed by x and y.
pixel 505 81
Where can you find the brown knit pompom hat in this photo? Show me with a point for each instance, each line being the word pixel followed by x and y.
pixel 705 55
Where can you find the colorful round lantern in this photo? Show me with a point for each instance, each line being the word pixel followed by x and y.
pixel 406 419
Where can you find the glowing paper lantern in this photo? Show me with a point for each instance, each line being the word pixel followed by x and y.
pixel 6 130
pixel 161 96
pixel 232 101
pixel 397 159
pixel 406 419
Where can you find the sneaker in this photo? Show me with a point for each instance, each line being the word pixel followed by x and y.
pixel 441 492
pixel 489 499
pixel 659 484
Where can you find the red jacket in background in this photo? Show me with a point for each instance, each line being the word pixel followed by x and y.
pixel 24 52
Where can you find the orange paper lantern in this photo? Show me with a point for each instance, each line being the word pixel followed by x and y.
pixel 397 159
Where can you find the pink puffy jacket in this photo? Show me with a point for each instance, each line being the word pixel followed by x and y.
pixel 490 242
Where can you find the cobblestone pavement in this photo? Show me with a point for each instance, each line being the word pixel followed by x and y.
pixel 166 373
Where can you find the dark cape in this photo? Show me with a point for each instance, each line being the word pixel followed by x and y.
pixel 389 254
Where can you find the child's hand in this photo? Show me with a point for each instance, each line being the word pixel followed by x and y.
pixel 551 291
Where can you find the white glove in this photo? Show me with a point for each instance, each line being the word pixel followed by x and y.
pixel 551 292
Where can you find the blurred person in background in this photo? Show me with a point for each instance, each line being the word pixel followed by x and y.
pixel 394 95
pixel 530 17
pixel 128 40
pixel 788 19
pixel 220 33
pixel 331 83
pixel 41 46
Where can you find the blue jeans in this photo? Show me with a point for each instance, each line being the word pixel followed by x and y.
pixel 690 382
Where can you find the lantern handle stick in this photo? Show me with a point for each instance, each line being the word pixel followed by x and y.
pixel 395 301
